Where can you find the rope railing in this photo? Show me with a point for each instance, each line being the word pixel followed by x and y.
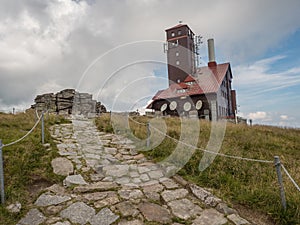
pixel 290 177
pixel 278 164
pixel 202 149
pixel 39 118
pixel 29 132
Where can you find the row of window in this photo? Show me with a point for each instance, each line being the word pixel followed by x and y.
pixel 223 111
pixel 181 90
pixel 224 94
pixel 178 33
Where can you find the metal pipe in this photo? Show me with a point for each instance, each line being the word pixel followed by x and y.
pixel 211 50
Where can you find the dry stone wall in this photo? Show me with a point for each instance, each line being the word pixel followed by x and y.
pixel 67 102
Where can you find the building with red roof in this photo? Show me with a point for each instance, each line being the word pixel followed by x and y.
pixel 205 91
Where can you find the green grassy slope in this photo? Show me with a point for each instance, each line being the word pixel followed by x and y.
pixel 27 166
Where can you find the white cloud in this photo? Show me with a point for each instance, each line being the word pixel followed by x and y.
pixel 49 44
pixel 258 78
pixel 284 117
pixel 258 115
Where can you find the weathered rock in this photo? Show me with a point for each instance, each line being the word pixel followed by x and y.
pixel 131 194
pixel 111 199
pixel 131 222
pixel 237 220
pixel 153 188
pixel 95 196
pixel 211 217
pixel 127 209
pixel 33 217
pixel 53 210
pixel 116 170
pixel 156 174
pixel 223 208
pixel 47 199
pixel 169 184
pixel 74 180
pixel 14 208
pixel 212 201
pixel 104 217
pixel 155 213
pixel 170 195
pixel 78 212
pixel 199 192
pixel 99 186
pixel 57 189
pixel 180 180
pixel 184 208
pixel 53 220
pixel 62 223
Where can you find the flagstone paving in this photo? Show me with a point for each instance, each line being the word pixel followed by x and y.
pixel 108 182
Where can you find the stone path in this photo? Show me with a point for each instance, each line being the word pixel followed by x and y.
pixel 108 182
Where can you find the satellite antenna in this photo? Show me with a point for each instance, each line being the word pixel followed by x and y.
pixel 173 105
pixel 163 107
pixel 198 104
pixel 187 106
pixel 180 21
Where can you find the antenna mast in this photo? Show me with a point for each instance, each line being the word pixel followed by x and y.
pixel 198 42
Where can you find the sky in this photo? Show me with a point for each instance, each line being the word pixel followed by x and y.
pixel 114 50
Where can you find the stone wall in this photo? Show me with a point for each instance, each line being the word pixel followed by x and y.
pixel 67 102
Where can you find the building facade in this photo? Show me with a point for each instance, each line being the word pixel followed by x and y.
pixel 204 92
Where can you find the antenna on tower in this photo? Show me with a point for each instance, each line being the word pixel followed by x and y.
pixel 180 21
pixel 198 42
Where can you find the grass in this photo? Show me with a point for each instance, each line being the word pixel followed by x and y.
pixel 27 166
pixel 245 185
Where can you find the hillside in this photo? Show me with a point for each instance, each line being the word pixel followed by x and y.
pixel 250 186
pixel 27 168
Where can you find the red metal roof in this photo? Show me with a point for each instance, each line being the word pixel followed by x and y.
pixel 189 78
pixel 208 80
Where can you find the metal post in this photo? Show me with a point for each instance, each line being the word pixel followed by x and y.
pixel 148 135
pixel 43 127
pixel 2 175
pixel 279 176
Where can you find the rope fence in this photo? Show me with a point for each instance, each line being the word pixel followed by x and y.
pixel 290 177
pixel 39 119
pixel 276 161
pixel 29 132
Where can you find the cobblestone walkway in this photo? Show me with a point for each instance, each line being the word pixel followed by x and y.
pixel 108 182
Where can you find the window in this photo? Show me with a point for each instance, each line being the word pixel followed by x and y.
pixel 173 34
pixel 181 90
pixel 177 62
pixel 190 82
pixel 177 53
pixel 179 32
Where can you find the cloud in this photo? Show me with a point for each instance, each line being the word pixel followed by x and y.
pixel 50 44
pixel 258 77
pixel 258 115
pixel 284 117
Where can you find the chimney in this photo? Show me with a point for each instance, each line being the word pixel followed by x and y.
pixel 211 53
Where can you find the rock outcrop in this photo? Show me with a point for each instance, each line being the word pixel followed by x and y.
pixel 67 102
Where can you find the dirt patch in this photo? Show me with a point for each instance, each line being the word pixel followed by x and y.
pixel 254 216
pixel 38 185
